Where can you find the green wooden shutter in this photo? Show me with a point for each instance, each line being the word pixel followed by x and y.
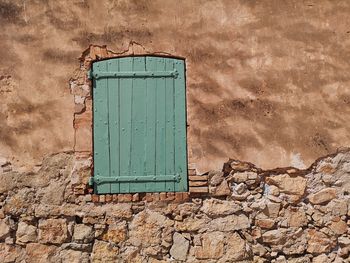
pixel 139 116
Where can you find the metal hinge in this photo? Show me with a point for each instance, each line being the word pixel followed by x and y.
pixel 133 74
pixel 135 179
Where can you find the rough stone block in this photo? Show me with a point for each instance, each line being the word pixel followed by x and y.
pixel 212 246
pixel 26 233
pixel 4 230
pixel 180 247
pixel 104 252
pixel 116 233
pixel 39 253
pixel 323 196
pixel 53 231
pixel 83 233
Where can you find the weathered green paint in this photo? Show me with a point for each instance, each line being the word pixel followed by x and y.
pixel 139 125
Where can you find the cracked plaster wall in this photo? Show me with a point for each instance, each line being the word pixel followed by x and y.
pixel 267 81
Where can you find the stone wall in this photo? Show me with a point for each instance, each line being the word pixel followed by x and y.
pixel 249 215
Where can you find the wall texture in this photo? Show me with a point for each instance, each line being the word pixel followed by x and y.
pixel 266 80
pixel 250 215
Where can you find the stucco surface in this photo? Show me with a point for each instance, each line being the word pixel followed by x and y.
pixel 267 81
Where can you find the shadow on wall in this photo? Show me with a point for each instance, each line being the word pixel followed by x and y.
pixel 35 116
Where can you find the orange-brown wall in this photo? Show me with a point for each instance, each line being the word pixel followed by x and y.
pixel 267 81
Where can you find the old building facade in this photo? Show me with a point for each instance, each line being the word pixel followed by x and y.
pixel 266 87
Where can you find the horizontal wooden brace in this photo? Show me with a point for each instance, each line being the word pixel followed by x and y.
pixel 135 179
pixel 133 74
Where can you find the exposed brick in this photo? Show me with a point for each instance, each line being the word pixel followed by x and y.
pixel 156 197
pixel 162 196
pixel 128 197
pixel 191 172
pixel 198 183
pixel 148 197
pixel 170 196
pixel 109 198
pixel 178 197
pixel 185 196
pixel 102 198
pixel 95 198
pixel 115 198
pixel 79 190
pixel 123 198
pixel 203 189
pixel 198 178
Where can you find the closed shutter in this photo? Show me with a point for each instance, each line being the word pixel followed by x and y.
pixel 139 125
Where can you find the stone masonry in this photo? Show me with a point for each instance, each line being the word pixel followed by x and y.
pixel 249 215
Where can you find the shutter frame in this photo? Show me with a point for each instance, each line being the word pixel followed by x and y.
pixel 145 113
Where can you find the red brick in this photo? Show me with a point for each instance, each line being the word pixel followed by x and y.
pixel 148 197
pixel 185 196
pixel 170 196
pixel 95 198
pixel 109 198
pixel 156 197
pixel 192 172
pixel 178 197
pixel 203 189
pixel 123 198
pixel 198 177
pixel 162 196
pixel 198 183
pixel 128 197
pixel 79 190
pixel 102 198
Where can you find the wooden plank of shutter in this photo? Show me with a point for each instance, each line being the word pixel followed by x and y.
pixel 180 127
pixel 138 125
pixel 125 94
pixel 113 117
pixel 150 144
pixel 169 125
pixel 101 130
